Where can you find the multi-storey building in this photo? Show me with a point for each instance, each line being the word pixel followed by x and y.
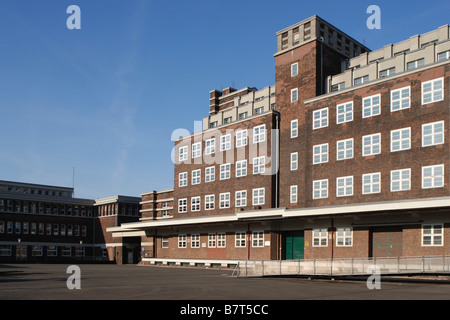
pixel 40 223
pixel 350 161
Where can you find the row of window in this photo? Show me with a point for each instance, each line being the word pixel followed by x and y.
pixel 432 177
pixel 259 135
pixel 38 251
pixel 44 208
pixel 224 173
pixel 432 91
pixel 432 135
pixel 258 198
pixel 48 229
pixel 431 235
pixel 218 240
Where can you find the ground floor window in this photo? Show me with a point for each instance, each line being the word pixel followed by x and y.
pixel 52 251
pixel 5 251
pixel 258 239
pixel 344 237
pixel 432 235
pixel 240 240
pixel 320 237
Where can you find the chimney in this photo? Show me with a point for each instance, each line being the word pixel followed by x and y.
pixel 214 96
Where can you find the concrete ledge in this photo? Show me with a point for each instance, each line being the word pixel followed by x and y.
pixel 191 262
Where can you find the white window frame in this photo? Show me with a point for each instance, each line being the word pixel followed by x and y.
pixel 196 176
pixel 320 153
pixel 433 235
pixel 294 95
pixel 221 240
pixel 294 161
pixel 402 178
pixel 371 106
pixel 183 153
pixel 240 239
pixel 182 179
pixel 258 239
pixel 210 174
pixel 436 95
pixel 442 56
pixel 259 165
pixel 371 144
pixel 241 168
pixel 182 241
pixel 241 198
pixel 294 128
pixel 401 139
pixel 320 237
pixel 259 195
pixel 224 200
pixel 212 240
pixel 195 240
pixel 293 194
pixel 372 181
pixel 195 204
pixel 412 65
pixel 210 202
pixel 403 101
pixel 320 186
pixel 344 112
pixel 433 176
pixel 225 142
pixel 435 135
pixel 344 186
pixel 210 146
pixel 225 171
pixel 344 237
pixel 241 138
pixel 294 69
pixel 259 134
pixel 343 149
pixel 196 150
pixel 182 205
pixel 320 119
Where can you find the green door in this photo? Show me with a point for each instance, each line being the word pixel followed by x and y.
pixel 294 245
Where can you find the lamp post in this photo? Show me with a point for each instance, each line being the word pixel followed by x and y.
pixel 20 251
pixel 81 249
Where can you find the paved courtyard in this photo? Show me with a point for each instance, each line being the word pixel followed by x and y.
pixel 130 282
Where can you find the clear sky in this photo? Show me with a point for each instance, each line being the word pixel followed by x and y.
pixel 105 99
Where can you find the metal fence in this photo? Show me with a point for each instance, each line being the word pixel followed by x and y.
pixel 345 267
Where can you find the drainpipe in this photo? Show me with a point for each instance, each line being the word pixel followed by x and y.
pixel 249 240
pixel 332 239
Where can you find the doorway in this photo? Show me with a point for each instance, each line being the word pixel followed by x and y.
pixel 294 245
pixel 386 241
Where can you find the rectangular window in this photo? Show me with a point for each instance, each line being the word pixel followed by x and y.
pixel 259 134
pixel 338 87
pixel 344 186
pixel 320 237
pixel 182 205
pixel 344 112
pixel 243 115
pixel 433 134
pixel 210 146
pixel 371 144
pixel 182 179
pixel 371 183
pixel 224 200
pixel 400 99
pixel 387 72
pixel 221 240
pixel 415 64
pixel 259 110
pixel 433 176
pixel 225 171
pixel 258 239
pixel 197 150
pixel 211 240
pixel 400 180
pixel 182 241
pixel 183 153
pixel 401 139
pixel 344 149
pixel 228 120
pixel 5 251
pixel 258 196
pixel 344 237
pixel 18 227
pixel 320 119
pixel 294 128
pixel 241 198
pixel 361 80
pixel 443 56
pixel 209 202
pixel 259 165
pixel 210 174
pixel 195 204
pixel 196 176
pixel 294 69
pixel 372 106
pixel 294 95
pixel 195 241
pixel 164 242
pixel 320 189
pixel 293 194
pixel 225 142
pixel 320 154
pixel 240 240
pixel 241 138
pixel 432 235
pixel 294 161
pixel 241 168
pixel 2 226
pixel 433 91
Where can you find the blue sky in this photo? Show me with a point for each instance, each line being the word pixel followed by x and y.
pixel 105 99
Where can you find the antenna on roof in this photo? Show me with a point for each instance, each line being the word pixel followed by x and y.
pixel 73 182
